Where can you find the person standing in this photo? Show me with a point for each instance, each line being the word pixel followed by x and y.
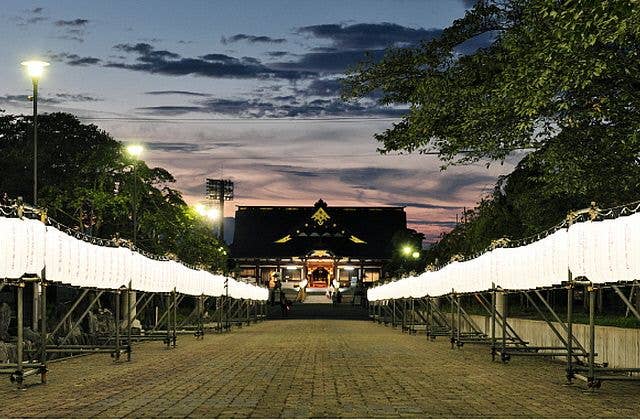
pixel 302 291
pixel 273 277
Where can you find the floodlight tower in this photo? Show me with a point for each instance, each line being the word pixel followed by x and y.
pixel 219 191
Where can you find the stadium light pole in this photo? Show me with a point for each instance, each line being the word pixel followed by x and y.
pixel 35 69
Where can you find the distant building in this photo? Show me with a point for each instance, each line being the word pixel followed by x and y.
pixel 320 243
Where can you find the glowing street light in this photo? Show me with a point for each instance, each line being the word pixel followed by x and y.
pixel 135 151
pixel 415 255
pixel 35 68
pixel 407 250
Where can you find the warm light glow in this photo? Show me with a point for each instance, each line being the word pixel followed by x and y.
pixel 407 250
pixel 204 211
pixel 415 255
pixel 348 268
pixel 201 209
pixel 292 267
pixel 213 214
pixel 35 68
pixel 135 150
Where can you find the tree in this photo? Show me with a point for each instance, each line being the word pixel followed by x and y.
pixel 559 77
pixel 87 181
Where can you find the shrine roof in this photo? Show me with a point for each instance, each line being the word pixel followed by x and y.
pixel 290 231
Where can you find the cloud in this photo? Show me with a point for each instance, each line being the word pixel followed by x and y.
pixel 76 97
pixel 74 29
pixel 328 62
pixel 173 146
pixel 74 59
pixel 294 170
pixel 369 35
pixel 253 39
pixel 36 19
pixel 218 57
pixel 277 54
pixel 146 51
pixel 169 63
pixel 32 17
pixel 176 92
pixel 169 110
pixel 351 44
pixel 364 177
pixel 322 87
pixel 57 98
pixel 275 108
pixel 75 22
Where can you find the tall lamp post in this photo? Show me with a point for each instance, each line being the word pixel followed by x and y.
pixel 35 68
pixel 135 150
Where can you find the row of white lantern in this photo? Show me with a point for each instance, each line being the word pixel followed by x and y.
pixel 602 251
pixel 28 246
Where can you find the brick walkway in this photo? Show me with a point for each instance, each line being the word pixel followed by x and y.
pixel 312 368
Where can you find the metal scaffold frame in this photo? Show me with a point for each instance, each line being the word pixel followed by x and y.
pixel 21 369
pixel 591 372
pixel 230 312
pixel 504 341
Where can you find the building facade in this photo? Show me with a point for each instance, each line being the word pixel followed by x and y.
pixel 319 243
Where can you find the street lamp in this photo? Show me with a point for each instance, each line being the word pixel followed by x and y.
pixel 35 68
pixel 407 250
pixel 135 150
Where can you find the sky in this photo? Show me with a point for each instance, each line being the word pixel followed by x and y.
pixel 244 90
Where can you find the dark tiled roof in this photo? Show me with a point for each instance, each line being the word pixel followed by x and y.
pixel 358 232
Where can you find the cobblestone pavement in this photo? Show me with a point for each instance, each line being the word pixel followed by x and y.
pixel 312 368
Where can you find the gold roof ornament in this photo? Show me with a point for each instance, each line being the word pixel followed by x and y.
pixel 320 253
pixel 283 240
pixel 320 216
pixel 356 240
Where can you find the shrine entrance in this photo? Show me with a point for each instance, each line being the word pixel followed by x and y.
pixel 319 278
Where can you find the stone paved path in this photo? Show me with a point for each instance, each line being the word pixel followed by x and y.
pixel 312 368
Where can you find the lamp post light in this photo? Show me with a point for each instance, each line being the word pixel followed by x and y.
pixel 409 254
pixel 135 150
pixel 35 68
pixel 407 250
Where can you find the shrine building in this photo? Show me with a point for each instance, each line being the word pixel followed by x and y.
pixel 320 243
